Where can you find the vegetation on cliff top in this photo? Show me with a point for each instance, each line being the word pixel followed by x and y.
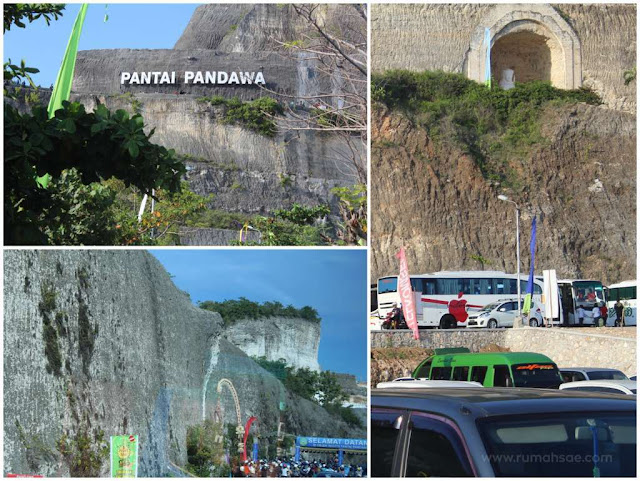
pixel 236 309
pixel 496 127
pixel 321 388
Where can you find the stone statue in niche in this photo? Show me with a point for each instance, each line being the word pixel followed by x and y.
pixel 508 79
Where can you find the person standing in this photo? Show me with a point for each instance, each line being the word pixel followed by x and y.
pixel 619 308
pixel 604 313
pixel 580 315
pixel 595 312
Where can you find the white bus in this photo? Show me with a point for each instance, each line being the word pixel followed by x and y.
pixel 583 293
pixel 438 303
pixel 626 293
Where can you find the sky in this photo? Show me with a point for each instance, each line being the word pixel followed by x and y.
pixel 334 282
pixel 150 26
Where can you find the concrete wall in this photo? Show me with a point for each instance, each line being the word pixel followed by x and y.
pixel 568 348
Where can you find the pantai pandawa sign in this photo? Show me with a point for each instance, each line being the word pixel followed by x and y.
pixel 192 78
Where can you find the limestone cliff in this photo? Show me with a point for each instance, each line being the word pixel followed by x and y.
pixel 248 173
pixel 103 342
pixel 581 184
pixel 294 340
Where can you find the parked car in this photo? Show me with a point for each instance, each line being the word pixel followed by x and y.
pixel 502 369
pixel 423 383
pixel 503 313
pixel 570 374
pixel 515 432
pixel 605 385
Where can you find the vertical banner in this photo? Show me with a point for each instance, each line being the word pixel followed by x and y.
pixel 406 295
pixel 255 450
pixel 487 67
pixel 532 248
pixel 551 304
pixel 124 456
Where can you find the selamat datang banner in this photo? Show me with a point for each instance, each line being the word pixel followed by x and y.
pixel 406 295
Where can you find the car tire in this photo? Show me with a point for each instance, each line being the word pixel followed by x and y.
pixel 533 322
pixel 446 321
pixel 492 324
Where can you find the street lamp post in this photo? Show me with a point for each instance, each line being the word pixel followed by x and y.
pixel 506 199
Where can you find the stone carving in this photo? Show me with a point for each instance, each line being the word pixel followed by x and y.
pixel 508 79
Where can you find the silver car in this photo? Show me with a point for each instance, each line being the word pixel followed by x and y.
pixel 502 313
pixel 491 432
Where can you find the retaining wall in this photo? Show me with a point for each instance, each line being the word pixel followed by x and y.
pixel 568 348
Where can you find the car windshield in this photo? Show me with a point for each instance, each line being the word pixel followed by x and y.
pixel 561 444
pixel 490 307
pixel 536 375
pixel 613 374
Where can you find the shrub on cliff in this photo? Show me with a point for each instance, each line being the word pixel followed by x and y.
pixel 496 127
pixel 236 309
pixel 257 115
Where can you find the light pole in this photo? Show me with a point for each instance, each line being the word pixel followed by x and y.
pixel 506 199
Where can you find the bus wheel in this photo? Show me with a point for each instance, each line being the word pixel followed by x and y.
pixel 446 321
pixel 492 324
pixel 533 322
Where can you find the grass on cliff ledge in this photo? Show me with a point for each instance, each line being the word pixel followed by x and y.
pixel 257 115
pixel 497 127
pixel 236 309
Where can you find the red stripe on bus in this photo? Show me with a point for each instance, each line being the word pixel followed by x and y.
pixel 446 303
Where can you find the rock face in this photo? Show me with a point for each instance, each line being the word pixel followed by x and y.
pixel 441 37
pixel 103 341
pixel 433 200
pixel 294 340
pixel 247 172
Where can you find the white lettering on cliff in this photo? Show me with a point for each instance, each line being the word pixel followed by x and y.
pixel 200 77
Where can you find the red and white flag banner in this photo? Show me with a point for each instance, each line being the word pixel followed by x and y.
pixel 406 295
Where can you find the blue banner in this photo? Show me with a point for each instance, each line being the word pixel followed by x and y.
pixel 532 248
pixel 255 451
pixel 487 67
pixel 336 443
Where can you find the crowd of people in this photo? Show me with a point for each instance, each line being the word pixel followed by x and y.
pixel 289 468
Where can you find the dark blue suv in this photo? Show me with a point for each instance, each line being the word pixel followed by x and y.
pixel 457 432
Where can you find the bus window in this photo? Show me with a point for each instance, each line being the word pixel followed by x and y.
pixel 502 376
pixel 416 284
pixel 441 373
pixel 423 371
pixel 478 373
pixel 388 284
pixel 429 286
pixel 537 289
pixel 460 373
pixel 449 286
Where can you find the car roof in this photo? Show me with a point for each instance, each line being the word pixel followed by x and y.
pixel 485 402
pixel 426 383
pixel 604 383
pixel 587 369
pixel 513 357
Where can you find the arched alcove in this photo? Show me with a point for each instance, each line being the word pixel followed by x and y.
pixel 535 42
pixel 530 54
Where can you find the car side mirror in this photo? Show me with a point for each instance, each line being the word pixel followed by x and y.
pixel 502 309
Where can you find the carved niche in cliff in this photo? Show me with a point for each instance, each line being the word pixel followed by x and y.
pixel 533 40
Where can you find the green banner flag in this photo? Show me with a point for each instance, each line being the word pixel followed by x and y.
pixel 62 87
pixel 124 456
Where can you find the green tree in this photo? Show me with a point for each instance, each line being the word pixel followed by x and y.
pixel 329 390
pixel 15 13
pixel 79 150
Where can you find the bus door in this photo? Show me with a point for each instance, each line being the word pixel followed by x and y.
pixel 568 307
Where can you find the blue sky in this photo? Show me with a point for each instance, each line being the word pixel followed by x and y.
pixel 129 26
pixel 334 282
